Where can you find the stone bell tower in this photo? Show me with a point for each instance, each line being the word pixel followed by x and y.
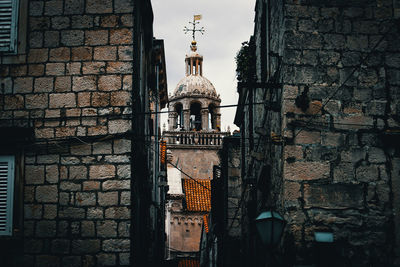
pixel 193 139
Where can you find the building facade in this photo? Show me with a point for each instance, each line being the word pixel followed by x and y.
pixel 323 79
pixel 193 140
pixel 73 95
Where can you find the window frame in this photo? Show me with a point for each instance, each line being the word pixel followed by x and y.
pixel 12 48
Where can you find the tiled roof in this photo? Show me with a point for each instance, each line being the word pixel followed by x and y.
pixel 197 194
pixel 189 263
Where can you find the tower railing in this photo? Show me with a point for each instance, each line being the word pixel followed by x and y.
pixel 194 138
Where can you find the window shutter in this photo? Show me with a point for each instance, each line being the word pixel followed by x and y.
pixel 8 25
pixel 6 194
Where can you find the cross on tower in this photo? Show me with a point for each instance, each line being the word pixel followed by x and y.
pixel 194 30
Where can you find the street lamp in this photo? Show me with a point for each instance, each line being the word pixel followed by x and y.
pixel 270 226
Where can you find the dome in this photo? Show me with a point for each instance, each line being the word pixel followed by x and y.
pixel 195 85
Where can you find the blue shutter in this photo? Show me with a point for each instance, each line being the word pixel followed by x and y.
pixel 6 194
pixel 8 25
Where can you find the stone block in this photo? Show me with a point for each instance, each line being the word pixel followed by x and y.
pixel 71 213
pixel 72 7
pixel 333 196
pixel 106 259
pixel 367 173
pixel 36 101
pixel 85 199
pixel 124 171
pixel 46 228
pixel 84 83
pixel 307 137
pixel 117 159
pixel 38 55
pixel 77 172
pixel 106 228
pixel 108 198
pixel 119 67
pixel 55 69
pixel 34 174
pixel 86 246
pixel 100 99
pixel 121 36
pixel 62 84
pixel 62 100
pixel 87 229
pixel 91 185
pixel 96 37
pixel 376 155
pixel 123 6
pixel 99 6
pixel 125 198
pixel 93 67
pixel 95 213
pixel 81 22
pixel 70 186
pixel 298 171
pixel 344 173
pixel 101 171
pixel 105 53
pixel 44 84
pixel 291 194
pixel 84 99
pixel 119 126
pixel 116 245
pixel 60 246
pixel 102 148
pixel 36 40
pixel 65 131
pixel 51 38
pixel 47 159
pixel 81 53
pixel 23 85
pixel 50 211
pixel 124 229
pixel 125 53
pixel 117 213
pixel 120 98
pixel 59 23
pixel 61 54
pixel 127 20
pixel 73 68
pixel 47 194
pixel 52 174
pixel 44 133
pixel 32 211
pixel 357 42
pixel 109 83
pixel 72 37
pixel 36 8
pixel 110 21
pixel 13 102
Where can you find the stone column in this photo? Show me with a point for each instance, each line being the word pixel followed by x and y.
pixel 172 116
pixel 186 120
pixel 204 119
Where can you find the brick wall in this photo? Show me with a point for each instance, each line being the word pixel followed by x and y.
pixel 73 85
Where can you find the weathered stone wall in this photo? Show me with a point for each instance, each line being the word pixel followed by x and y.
pixel 72 85
pixel 330 161
pixel 337 169
pixel 196 161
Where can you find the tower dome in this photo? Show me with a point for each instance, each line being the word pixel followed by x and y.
pixel 194 83
pixel 194 104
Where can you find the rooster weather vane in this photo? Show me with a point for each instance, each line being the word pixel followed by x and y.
pixel 194 30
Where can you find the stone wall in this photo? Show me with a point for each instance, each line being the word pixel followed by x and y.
pixel 328 160
pixel 72 85
pixel 342 58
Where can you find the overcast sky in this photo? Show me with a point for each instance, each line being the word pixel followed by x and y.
pixel 227 24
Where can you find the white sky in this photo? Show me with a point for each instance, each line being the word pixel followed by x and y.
pixel 227 24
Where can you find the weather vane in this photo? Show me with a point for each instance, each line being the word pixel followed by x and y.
pixel 194 30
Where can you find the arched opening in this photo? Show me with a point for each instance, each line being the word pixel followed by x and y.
pixel 179 119
pixel 195 116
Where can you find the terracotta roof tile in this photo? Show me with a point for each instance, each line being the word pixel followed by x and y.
pixel 197 194
pixel 205 220
pixel 189 263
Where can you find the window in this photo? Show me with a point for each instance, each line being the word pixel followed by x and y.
pixel 9 25
pixel 6 194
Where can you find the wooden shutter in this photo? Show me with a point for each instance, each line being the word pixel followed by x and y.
pixel 6 194
pixel 8 25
